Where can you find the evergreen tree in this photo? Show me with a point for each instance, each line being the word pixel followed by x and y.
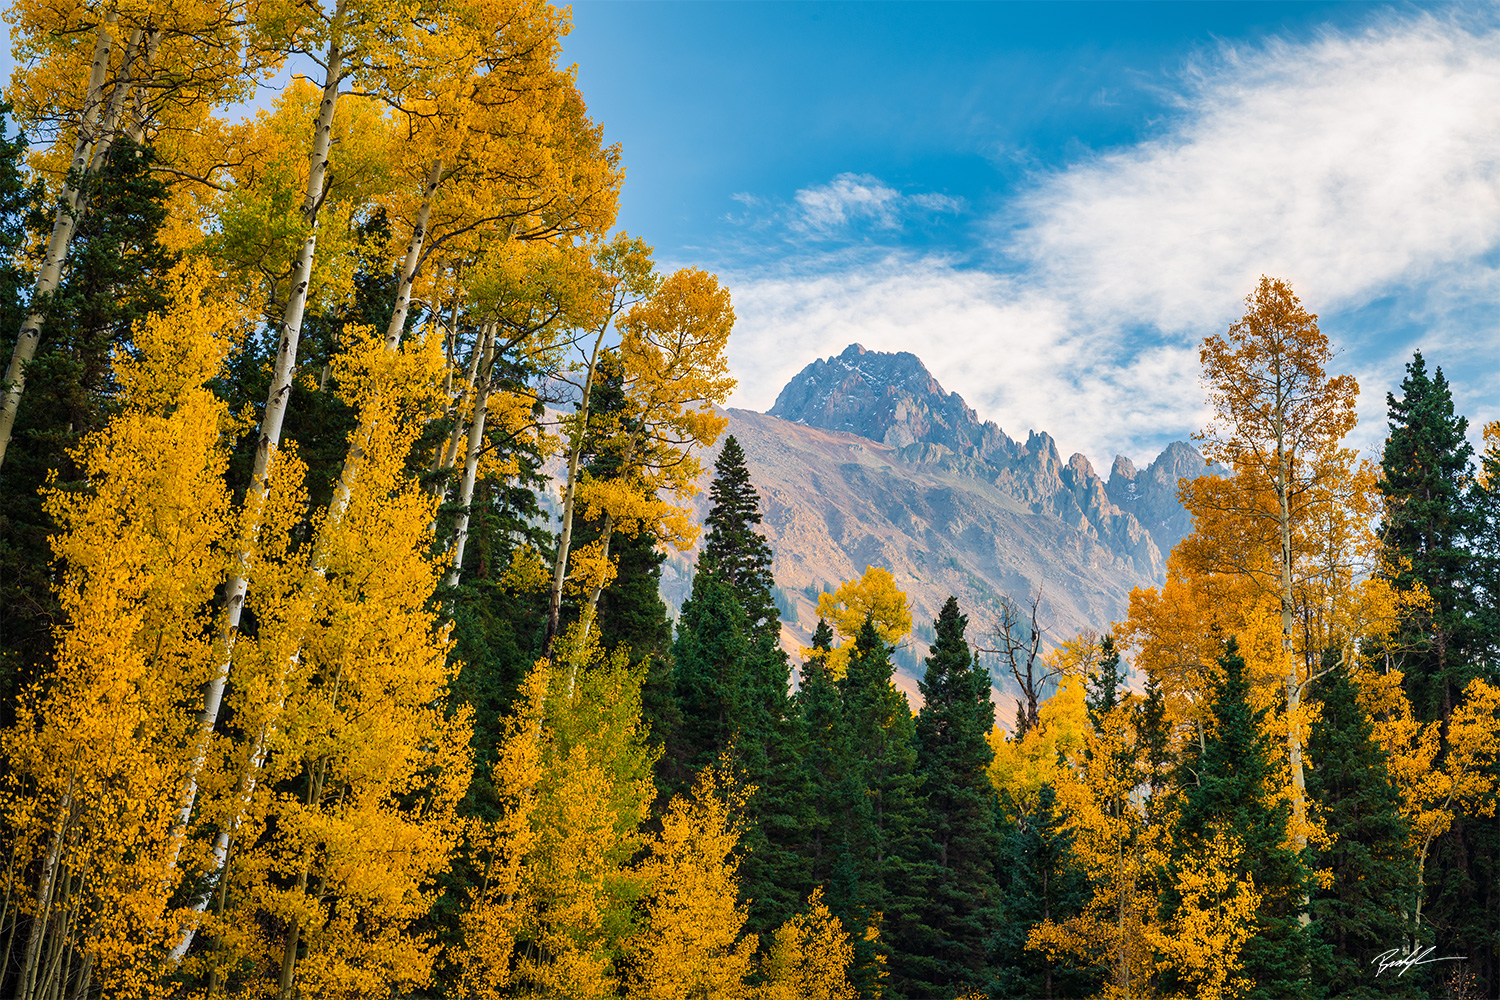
pixel 819 716
pixel 775 876
pixel 1360 915
pixel 882 812
pixel 1040 880
pixel 733 548
pixel 959 893
pixel 708 660
pixel 1439 526
pixel 1154 747
pixel 1104 682
pixel 1226 787
pixel 1424 468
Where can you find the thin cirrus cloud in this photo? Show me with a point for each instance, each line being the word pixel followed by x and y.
pixel 853 199
pixel 1364 168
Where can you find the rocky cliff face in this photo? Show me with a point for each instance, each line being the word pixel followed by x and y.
pixel 893 399
pixel 866 460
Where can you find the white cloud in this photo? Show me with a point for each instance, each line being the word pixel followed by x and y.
pixel 1007 349
pixel 850 199
pixel 1363 168
pixel 1347 166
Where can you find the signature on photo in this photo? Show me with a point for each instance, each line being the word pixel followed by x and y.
pixel 1405 960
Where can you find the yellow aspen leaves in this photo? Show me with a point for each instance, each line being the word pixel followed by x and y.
pixel 873 596
pixel 93 766
pixel 1216 918
pixel 691 944
pixel 809 957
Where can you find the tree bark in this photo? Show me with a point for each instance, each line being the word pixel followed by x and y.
pixel 471 459
pixel 70 204
pixel 570 490
pixel 271 424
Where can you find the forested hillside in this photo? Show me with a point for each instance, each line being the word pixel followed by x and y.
pixel 304 696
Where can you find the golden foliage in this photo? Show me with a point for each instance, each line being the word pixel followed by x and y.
pixel 93 766
pixel 874 596
pixel 1216 918
pixel 809 958
pixel 692 944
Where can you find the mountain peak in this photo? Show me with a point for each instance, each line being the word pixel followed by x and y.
pixel 887 397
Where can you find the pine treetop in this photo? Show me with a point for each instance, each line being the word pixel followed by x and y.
pixel 733 549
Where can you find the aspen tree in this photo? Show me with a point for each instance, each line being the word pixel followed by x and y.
pixel 624 275
pixel 1434 786
pixel 1279 419
pixel 492 923
pixel 674 374
pixel 505 153
pixel 873 597
pixel 87 76
pixel 1117 850
pixel 809 957
pixel 94 755
pixel 525 292
pixel 691 943
pixel 354 767
pixel 355 42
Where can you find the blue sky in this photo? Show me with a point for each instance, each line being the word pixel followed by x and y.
pixel 1052 204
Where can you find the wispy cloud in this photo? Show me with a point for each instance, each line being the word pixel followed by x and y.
pixel 848 198
pixel 1363 168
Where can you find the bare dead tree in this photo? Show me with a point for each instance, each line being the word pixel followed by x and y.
pixel 1017 635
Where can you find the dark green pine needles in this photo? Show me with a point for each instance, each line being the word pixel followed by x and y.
pixel 959 897
pixel 1374 878
pixel 1424 470
pixel 1227 786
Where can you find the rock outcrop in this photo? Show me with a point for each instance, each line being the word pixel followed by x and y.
pixel 866 460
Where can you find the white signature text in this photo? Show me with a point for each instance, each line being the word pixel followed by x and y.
pixel 1400 958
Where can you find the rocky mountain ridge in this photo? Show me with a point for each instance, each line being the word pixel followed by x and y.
pixel 893 399
pixel 866 460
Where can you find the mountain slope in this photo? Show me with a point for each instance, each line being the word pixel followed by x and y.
pixel 866 460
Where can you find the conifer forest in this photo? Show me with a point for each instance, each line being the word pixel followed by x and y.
pixel 341 448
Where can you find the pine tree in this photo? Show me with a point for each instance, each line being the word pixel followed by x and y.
pixel 959 892
pixel 819 715
pixel 1361 914
pixel 1424 469
pixel 1104 682
pixel 1225 789
pixel 1040 881
pixel 733 549
pixel 1436 525
pixel 882 819
pixel 708 660
pixel 1153 738
pixel 776 877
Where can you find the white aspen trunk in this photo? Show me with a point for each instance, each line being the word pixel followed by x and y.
pixel 346 483
pixel 64 224
pixel 471 458
pixel 1293 679
pixel 456 435
pixel 270 429
pixel 355 456
pixel 42 907
pixel 570 489
pixel 135 129
pixel 221 847
pixel 607 535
